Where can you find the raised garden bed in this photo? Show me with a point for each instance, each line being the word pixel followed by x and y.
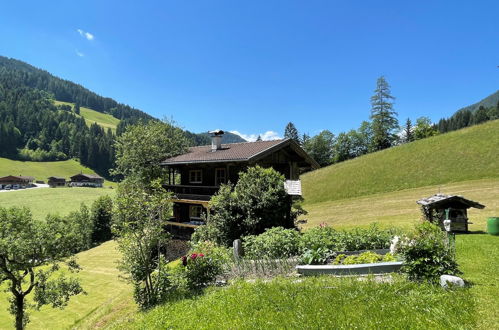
pixel 345 270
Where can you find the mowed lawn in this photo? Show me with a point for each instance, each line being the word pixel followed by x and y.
pixel 108 297
pixel 466 154
pixel 399 208
pixel 42 201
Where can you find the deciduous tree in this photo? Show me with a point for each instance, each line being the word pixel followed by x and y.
pixel 31 252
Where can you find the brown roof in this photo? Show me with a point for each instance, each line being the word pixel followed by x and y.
pixel 19 177
pixel 234 152
pixel 442 199
pixel 88 176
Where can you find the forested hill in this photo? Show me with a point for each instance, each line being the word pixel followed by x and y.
pixel 490 101
pixel 22 74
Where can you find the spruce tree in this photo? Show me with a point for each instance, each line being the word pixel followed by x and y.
pixel 384 120
pixel 290 132
pixel 259 138
pixel 408 135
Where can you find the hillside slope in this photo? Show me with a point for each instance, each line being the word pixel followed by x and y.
pixel 42 170
pixel 91 116
pixel 467 154
pixel 490 101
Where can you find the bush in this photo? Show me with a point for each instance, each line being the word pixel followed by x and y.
pixel 200 270
pixel 274 243
pixel 257 202
pixel 352 240
pixel 101 215
pixel 427 254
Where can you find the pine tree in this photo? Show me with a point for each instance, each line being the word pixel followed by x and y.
pixel 259 138
pixel 290 132
pixel 408 135
pixel 384 121
pixel 76 108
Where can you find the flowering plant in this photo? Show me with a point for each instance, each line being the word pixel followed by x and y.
pixel 200 270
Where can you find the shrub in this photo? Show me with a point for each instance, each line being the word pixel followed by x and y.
pixel 101 215
pixel 258 201
pixel 427 254
pixel 320 237
pixel 351 240
pixel 274 243
pixel 200 270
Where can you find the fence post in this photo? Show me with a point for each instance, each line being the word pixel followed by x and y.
pixel 238 249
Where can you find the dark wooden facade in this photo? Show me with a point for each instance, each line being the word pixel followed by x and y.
pixel 55 181
pixel 194 178
pixel 86 180
pixel 438 207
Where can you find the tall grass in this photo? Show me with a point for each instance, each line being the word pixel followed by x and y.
pixel 317 303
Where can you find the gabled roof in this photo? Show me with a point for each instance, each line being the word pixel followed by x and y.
pixel 88 176
pixel 19 177
pixel 56 178
pixel 238 152
pixel 438 199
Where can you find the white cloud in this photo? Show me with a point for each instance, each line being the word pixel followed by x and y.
pixel 85 34
pixel 266 136
pixel 80 54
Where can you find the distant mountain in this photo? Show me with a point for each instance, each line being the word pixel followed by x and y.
pixel 226 138
pixel 490 101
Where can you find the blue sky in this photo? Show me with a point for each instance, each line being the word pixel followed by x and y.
pixel 252 66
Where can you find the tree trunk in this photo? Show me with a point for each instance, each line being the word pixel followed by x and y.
pixel 19 312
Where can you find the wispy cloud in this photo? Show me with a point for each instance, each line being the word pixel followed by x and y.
pixel 80 54
pixel 85 34
pixel 266 136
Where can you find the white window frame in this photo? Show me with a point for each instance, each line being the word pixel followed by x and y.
pixel 198 176
pixel 217 177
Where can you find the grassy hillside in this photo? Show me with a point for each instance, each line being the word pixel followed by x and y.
pixel 42 170
pixel 467 154
pixel 92 116
pixel 52 200
pixel 108 297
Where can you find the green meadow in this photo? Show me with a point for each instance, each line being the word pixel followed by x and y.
pixel 91 116
pixel 43 170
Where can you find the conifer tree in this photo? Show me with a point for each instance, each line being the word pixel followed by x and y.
pixel 290 132
pixel 259 138
pixel 384 120
pixel 408 135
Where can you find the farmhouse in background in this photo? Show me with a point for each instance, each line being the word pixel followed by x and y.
pixel 17 181
pixel 194 177
pixel 86 180
pixel 56 181
pixel 434 209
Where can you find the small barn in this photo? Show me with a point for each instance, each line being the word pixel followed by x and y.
pixel 435 209
pixel 56 181
pixel 86 180
pixel 18 181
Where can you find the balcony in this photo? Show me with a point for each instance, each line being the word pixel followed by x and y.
pixel 201 193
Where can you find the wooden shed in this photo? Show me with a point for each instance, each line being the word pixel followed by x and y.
pixel 56 181
pixel 434 209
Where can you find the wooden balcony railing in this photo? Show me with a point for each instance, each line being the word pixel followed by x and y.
pixel 192 190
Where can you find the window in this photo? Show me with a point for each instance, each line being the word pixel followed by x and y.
pixel 220 176
pixel 195 212
pixel 195 176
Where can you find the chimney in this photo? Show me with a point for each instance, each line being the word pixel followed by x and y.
pixel 216 139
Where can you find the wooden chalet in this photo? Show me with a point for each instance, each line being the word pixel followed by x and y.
pixel 18 181
pixel 194 177
pixel 436 207
pixel 86 180
pixel 56 181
